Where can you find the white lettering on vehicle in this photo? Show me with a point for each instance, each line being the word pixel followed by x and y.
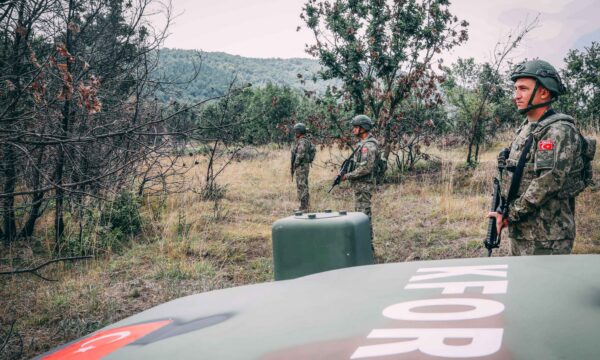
pixel 433 341
pixel 489 287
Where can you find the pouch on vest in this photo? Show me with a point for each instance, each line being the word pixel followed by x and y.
pixel 580 180
pixel 380 169
pixel 589 151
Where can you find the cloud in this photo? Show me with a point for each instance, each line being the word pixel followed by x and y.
pixel 560 28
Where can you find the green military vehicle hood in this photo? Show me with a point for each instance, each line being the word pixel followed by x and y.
pixel 544 307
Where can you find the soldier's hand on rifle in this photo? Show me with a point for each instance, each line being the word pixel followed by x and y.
pixel 343 177
pixel 500 223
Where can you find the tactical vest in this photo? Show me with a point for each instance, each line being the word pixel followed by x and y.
pixel 358 158
pixel 578 178
pixel 309 154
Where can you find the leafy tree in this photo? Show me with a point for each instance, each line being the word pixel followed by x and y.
pixel 423 118
pixel 276 105
pixel 583 83
pixel 478 95
pixel 381 50
pixel 220 127
pixel 477 90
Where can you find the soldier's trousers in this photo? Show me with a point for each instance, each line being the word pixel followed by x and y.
pixel 363 192
pixel 301 173
pixel 528 247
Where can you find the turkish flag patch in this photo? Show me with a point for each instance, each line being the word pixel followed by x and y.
pixel 364 150
pixel 546 145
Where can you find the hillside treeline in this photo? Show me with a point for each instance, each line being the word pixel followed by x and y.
pixel 196 75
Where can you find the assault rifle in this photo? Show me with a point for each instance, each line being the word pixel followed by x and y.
pixel 492 240
pixel 343 170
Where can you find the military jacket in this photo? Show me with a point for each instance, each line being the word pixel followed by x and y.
pixel 365 159
pixel 301 150
pixel 541 211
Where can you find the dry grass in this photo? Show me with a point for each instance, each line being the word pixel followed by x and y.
pixel 189 245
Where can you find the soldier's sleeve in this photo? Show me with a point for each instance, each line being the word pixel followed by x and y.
pixel 300 153
pixel 367 162
pixel 555 155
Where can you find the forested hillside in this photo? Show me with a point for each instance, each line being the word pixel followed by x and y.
pixel 215 72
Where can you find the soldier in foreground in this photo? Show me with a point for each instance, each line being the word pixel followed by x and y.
pixel 362 171
pixel 549 156
pixel 303 153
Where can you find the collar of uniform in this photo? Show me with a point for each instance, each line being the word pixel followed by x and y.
pixel 547 114
pixel 540 123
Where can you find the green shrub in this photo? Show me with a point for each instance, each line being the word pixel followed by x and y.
pixel 122 217
pixel 107 230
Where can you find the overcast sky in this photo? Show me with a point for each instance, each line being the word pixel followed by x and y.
pixel 267 28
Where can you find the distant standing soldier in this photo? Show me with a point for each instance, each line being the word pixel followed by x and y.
pixel 552 157
pixel 303 154
pixel 362 174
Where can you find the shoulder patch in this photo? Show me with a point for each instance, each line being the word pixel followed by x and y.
pixel 546 145
pixel 364 149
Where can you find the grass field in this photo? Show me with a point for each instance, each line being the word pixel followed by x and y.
pixel 189 245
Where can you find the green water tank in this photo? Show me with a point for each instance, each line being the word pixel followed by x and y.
pixel 305 244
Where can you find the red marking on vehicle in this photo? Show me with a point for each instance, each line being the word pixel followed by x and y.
pixel 546 145
pixel 105 342
pixel 364 150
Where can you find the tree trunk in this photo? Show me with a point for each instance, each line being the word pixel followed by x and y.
pixel 10 160
pixel 59 224
pixel 34 214
pixel 470 153
pixel 8 210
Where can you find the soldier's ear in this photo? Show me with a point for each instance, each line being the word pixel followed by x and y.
pixel 544 93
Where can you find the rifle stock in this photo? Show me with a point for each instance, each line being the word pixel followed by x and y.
pixel 493 237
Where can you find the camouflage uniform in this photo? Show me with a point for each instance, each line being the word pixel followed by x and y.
pixel 301 170
pixel 542 216
pixel 362 176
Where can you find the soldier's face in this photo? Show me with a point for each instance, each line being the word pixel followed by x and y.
pixel 523 90
pixel 356 130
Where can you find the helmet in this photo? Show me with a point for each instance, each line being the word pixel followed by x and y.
pixel 545 74
pixel 300 128
pixel 363 121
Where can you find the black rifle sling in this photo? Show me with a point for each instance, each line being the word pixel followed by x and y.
pixel 353 152
pixel 518 174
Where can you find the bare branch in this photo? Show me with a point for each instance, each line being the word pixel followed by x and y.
pixel 35 269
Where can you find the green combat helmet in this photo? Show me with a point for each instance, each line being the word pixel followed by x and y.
pixel 544 75
pixel 363 121
pixel 300 128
